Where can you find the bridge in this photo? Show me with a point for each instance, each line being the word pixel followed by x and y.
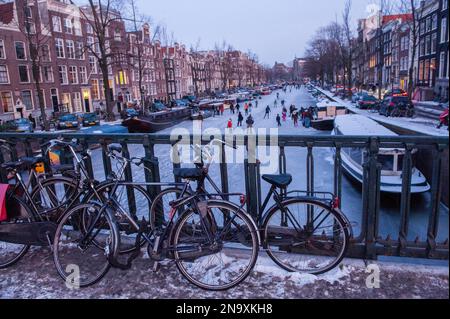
pixel 366 244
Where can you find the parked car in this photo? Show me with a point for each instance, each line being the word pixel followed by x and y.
pixel 367 102
pixel 397 106
pixel 357 96
pixel 90 119
pixel 69 121
pixel 396 93
pixel 180 103
pixel 20 126
pixel 158 106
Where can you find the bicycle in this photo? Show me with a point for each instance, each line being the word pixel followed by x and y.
pixel 299 224
pixel 207 231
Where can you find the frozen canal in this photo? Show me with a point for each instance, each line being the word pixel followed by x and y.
pixel 296 165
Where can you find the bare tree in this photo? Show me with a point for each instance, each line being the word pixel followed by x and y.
pixel 101 15
pixel 413 7
pixel 140 53
pixel 36 29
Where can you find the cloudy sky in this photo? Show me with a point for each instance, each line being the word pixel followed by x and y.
pixel 277 30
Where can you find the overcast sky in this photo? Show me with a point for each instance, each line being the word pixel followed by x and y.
pixel 277 30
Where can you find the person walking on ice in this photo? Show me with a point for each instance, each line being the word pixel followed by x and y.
pixel 268 111
pixel 240 119
pixel 278 120
pixel 250 122
pixel 230 125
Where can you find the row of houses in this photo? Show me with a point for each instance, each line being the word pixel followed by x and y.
pixel 388 47
pixel 140 67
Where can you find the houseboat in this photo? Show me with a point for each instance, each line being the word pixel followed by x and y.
pixel 326 113
pixel 158 121
pixel 391 159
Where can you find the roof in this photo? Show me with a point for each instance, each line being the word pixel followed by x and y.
pixel 327 103
pixel 6 12
pixel 392 17
pixel 359 125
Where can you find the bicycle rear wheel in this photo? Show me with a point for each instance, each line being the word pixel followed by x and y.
pixel 12 253
pixel 305 236
pixel 84 239
pixel 226 259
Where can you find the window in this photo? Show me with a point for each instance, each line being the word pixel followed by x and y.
pixel 27 99
pixel 434 23
pixel 7 102
pixel 89 29
pixel 73 75
pixel 28 12
pixel 4 77
pixel 117 35
pixel 45 54
pixel 47 74
pixel 90 43
pixel 428 26
pixel 80 51
pixel 427 71
pixel 57 24
pixel 83 75
pixel 93 64
pixel 442 65
pixel 444 30
pixel 2 50
pixel 70 49
pixel 20 51
pixel 59 48
pixel 95 89
pixel 30 27
pixel 433 42
pixel 444 5
pixel 68 26
pixel 427 45
pixel 23 74
pixel 63 74
pixel 421 65
pixel 36 96
pixel 77 28
pixel 77 102
pixel 422 27
pixel 422 47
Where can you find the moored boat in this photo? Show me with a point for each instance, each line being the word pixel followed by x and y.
pixel 391 159
pixel 157 121
pixel 327 112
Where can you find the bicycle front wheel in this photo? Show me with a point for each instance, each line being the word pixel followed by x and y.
pixel 305 236
pixel 217 251
pixel 84 239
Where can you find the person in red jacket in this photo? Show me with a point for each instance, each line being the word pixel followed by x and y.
pixel 230 124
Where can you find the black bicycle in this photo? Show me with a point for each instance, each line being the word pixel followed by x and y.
pixel 214 243
pixel 302 231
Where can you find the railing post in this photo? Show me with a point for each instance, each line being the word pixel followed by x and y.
pixel 372 201
pixel 151 168
pixel 252 190
pixel 338 172
pixel 310 179
pixel 436 193
pixel 88 160
pixel 107 167
pixel 224 170
pixel 129 178
pixel 405 201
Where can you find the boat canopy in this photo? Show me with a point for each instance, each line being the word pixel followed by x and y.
pixel 324 104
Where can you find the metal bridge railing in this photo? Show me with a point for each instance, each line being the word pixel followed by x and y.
pixel 367 244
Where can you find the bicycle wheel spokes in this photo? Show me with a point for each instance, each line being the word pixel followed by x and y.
pixel 305 237
pixel 82 243
pixel 54 194
pixel 213 252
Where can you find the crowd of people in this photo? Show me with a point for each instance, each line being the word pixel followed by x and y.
pixel 243 111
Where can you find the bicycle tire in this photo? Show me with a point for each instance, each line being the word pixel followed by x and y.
pixel 272 254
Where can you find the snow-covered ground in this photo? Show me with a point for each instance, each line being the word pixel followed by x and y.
pixel 35 278
pixel 418 124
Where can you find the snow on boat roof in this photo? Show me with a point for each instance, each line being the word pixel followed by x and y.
pixel 359 125
pixel 329 103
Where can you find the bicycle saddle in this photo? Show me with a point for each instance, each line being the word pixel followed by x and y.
pixel 23 162
pixel 189 173
pixel 280 181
